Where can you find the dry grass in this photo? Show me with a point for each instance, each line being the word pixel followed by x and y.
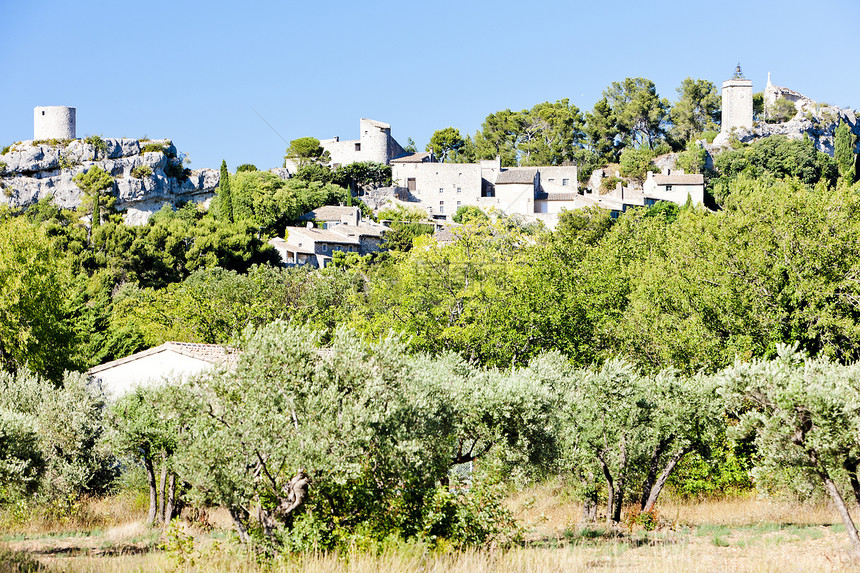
pixel 750 535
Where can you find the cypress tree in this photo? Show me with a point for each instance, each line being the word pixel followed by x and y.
pixel 844 148
pixel 225 198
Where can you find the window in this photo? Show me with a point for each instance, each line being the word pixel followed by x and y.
pixel 410 184
pixel 459 190
pixel 43 113
pixel 668 187
pixel 441 190
pixel 324 248
pixel 565 182
pixel 358 147
pixel 458 203
pixel 551 180
pixel 441 206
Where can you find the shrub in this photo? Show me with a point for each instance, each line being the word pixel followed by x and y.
pixel 782 110
pixel 99 145
pixel 2 167
pixel 175 170
pixel 609 184
pixel 246 167
pixel 141 172
pixel 153 148
pixel 635 163
pixel 6 150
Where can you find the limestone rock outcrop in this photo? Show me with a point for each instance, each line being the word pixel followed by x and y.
pixel 148 174
pixel 818 122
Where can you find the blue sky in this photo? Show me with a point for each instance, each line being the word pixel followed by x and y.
pixel 200 72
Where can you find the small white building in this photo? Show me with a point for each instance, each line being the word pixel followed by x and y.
pixel 170 361
pixel 674 185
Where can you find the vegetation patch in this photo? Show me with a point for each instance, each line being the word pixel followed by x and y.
pixel 141 172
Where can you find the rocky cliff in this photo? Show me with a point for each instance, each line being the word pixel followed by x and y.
pixel 147 174
pixel 814 120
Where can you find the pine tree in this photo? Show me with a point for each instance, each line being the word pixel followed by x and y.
pixel 225 198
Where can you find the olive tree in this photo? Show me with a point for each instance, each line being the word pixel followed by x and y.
pixel 805 413
pixel 142 426
pixel 633 429
pixel 340 431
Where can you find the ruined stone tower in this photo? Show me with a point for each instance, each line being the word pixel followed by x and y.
pixel 737 109
pixel 54 122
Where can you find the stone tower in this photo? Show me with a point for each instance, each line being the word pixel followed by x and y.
pixel 54 122
pixel 737 109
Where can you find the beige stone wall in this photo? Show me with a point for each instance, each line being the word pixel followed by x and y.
pixel 440 187
pixel 374 144
pixel 737 109
pixel 54 122
pixel 566 176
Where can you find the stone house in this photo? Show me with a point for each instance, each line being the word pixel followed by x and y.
pixel 315 246
pixel 170 361
pixel 674 185
pixel 441 188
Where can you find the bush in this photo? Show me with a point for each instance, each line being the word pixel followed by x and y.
pixel 246 167
pixel 608 184
pixel 635 163
pixel 473 517
pixel 782 110
pixel 141 172
pixel 153 148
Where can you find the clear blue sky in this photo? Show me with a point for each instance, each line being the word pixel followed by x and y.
pixel 196 71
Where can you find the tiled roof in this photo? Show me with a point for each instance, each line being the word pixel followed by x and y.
pixel 328 213
pixel 556 196
pixel 680 179
pixel 422 157
pixel 359 231
pixel 212 353
pixel 522 176
pixel 317 235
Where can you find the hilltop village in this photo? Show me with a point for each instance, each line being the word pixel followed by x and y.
pixel 566 335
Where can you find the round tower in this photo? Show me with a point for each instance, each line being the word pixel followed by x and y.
pixel 54 122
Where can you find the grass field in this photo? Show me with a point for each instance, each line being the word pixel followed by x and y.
pixel 719 535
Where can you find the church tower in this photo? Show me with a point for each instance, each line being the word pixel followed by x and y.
pixel 737 110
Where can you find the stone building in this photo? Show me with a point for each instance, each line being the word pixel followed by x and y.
pixel 442 188
pixel 674 185
pixel 772 93
pixel 54 122
pixel 374 144
pixel 737 106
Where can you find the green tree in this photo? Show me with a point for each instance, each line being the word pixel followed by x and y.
pixel 601 130
pixel 141 427
pixel 844 143
pixel 640 113
pixel 466 213
pixel 635 163
pixel 551 132
pixel 306 150
pixel 343 436
pixel 246 167
pixel 445 142
pixel 34 278
pixel 781 111
pixel 225 197
pixel 803 413
pixel 498 137
pixel 697 109
pixel 94 184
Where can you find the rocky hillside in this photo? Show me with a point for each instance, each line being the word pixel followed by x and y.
pixel 818 122
pixel 147 174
